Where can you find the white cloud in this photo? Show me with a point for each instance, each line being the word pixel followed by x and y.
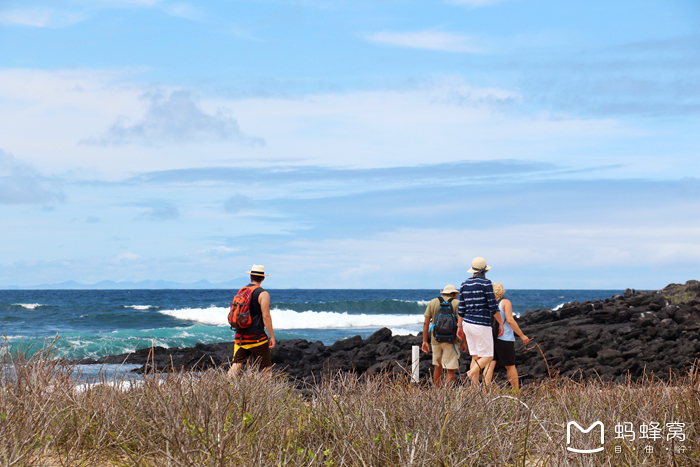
pixel 177 117
pixel 237 203
pixel 128 256
pixel 414 254
pixel 219 252
pixel 182 10
pixel 20 183
pixel 130 2
pixel 475 3
pixel 577 256
pixel 162 212
pixel 63 14
pixel 40 18
pixel 46 113
pixel 427 40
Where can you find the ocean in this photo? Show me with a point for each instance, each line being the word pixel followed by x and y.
pixel 95 323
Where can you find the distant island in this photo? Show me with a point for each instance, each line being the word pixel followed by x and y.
pixel 130 285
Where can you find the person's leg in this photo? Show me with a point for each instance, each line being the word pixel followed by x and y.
pixel 437 363
pixel 473 373
pixel 235 368
pixel 240 356
pixel 263 358
pixel 483 343
pixel 513 376
pixel 488 372
pixel 483 363
pixel 497 357
pixel 479 364
pixel 449 378
pixel 474 370
pixel 437 375
pixel 450 362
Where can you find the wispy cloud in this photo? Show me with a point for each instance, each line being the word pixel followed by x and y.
pixel 39 17
pixel 175 118
pixel 161 212
pixel 654 78
pixel 157 210
pixel 130 2
pixel 427 40
pixel 20 183
pixel 128 256
pixel 427 174
pixel 350 261
pixel 185 11
pixel 237 203
pixel 474 3
pixel 63 14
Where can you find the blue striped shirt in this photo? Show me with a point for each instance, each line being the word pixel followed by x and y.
pixel 477 302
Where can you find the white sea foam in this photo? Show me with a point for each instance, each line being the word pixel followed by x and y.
pixel 215 316
pixel 290 319
pixel 123 385
pixel 29 306
pixel 15 338
pixel 139 307
pixel 558 307
pixel 403 332
pixel 417 302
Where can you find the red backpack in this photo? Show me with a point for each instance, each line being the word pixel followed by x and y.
pixel 239 316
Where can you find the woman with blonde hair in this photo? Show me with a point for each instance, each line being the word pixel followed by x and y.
pixel 504 346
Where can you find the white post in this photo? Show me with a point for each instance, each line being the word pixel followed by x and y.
pixel 415 354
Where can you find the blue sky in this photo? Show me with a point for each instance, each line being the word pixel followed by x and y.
pixel 350 144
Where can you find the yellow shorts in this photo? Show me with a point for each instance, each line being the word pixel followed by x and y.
pixel 445 356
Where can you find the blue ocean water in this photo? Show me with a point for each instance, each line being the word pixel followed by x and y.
pixel 95 323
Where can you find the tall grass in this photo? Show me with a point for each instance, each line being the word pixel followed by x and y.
pixel 48 417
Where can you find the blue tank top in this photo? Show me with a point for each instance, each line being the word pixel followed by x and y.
pixel 508 334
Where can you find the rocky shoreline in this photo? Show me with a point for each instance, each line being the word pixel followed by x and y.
pixel 633 335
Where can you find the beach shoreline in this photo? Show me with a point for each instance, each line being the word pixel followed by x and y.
pixel 628 336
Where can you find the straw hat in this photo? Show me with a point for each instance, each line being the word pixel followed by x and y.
pixel 479 264
pixel 449 289
pixel 257 270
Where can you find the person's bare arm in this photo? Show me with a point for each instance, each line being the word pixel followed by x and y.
pixel 460 334
pixel 426 324
pixel 508 308
pixel 264 300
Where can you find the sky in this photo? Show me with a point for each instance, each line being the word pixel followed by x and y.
pixel 350 144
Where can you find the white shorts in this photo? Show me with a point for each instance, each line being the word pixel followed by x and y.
pixel 479 339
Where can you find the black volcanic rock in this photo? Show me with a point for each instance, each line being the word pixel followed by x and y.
pixel 635 334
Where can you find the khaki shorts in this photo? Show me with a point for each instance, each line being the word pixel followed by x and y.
pixel 445 356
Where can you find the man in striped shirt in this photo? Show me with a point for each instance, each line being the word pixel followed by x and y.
pixel 477 304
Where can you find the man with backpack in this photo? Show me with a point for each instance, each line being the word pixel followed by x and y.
pixel 442 323
pixel 250 317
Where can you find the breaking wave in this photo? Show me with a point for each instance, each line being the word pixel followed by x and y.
pixel 29 306
pixel 290 319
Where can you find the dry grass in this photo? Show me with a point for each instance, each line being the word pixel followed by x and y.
pixel 209 419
